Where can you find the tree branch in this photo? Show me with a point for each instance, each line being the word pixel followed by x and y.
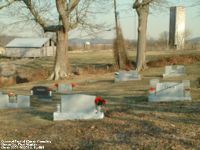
pixel 61 7
pixel 140 3
pixel 34 12
pixel 9 2
pixel 72 5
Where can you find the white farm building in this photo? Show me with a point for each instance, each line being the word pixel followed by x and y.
pixel 30 47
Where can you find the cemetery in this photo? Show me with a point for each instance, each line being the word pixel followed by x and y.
pixel 70 117
pixel 141 92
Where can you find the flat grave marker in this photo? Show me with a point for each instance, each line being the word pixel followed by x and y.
pixel 173 71
pixel 77 106
pixel 124 75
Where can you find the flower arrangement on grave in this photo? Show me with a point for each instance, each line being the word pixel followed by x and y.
pixel 99 101
pixel 11 94
pixel 73 84
pixel 54 88
pixel 152 90
pixel 56 85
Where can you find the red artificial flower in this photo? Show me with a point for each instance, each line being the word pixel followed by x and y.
pixel 100 101
pixel 56 84
pixel 73 84
pixel 152 89
pixel 103 101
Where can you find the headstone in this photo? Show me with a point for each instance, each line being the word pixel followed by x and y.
pixel 19 101
pixel 77 106
pixel 43 93
pixel 64 88
pixel 23 101
pixel 169 91
pixel 127 75
pixel 4 100
pixel 172 71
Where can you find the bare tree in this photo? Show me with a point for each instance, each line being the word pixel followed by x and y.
pixel 7 3
pixel 69 17
pixel 164 38
pixel 142 8
pixel 119 50
pixel 64 8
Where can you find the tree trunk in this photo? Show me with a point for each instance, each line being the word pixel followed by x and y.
pixel 143 13
pixel 61 64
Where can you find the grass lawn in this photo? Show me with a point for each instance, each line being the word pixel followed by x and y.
pixel 130 122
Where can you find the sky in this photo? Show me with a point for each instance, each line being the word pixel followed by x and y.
pixel 158 21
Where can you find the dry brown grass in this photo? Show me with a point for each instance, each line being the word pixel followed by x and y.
pixel 130 122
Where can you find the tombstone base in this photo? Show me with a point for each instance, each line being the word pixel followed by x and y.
pixel 173 75
pixel 12 105
pixel 128 79
pixel 167 99
pixel 124 75
pixel 42 98
pixel 77 116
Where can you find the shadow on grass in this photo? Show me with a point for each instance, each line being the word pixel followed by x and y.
pixel 135 99
pixel 130 136
pixel 152 76
pixel 42 114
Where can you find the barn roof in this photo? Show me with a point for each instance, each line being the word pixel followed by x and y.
pixel 27 43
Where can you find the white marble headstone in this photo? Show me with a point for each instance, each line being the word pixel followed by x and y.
pixel 171 71
pixel 4 100
pixel 21 101
pixel 77 106
pixel 127 75
pixel 170 91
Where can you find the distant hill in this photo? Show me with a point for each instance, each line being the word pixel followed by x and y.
pixel 79 41
pixel 195 40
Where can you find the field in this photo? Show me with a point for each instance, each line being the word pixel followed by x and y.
pixel 131 122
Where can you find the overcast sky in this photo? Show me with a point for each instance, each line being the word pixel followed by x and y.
pixel 158 20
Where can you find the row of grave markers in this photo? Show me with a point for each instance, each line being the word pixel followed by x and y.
pixel 80 106
pixel 170 71
pixel 71 106
pixel 166 91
